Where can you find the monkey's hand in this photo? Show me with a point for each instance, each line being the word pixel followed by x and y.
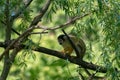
pixel 67 51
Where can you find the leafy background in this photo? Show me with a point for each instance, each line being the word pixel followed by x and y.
pixel 100 31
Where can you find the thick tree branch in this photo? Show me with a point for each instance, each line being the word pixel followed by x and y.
pixel 8 29
pixel 41 14
pixel 74 60
pixel 8 64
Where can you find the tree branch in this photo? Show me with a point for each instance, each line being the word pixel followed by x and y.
pixel 19 39
pixel 69 22
pixel 17 14
pixel 25 34
pixel 72 59
pixel 41 14
pixel 8 27
pixel 11 28
pixel 8 64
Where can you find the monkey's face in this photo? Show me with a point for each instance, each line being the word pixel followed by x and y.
pixel 61 39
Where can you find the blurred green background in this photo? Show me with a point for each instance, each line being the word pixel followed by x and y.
pixel 100 30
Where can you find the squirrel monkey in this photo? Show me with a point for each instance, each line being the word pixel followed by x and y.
pixel 68 49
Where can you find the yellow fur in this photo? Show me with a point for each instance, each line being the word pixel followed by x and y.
pixel 68 49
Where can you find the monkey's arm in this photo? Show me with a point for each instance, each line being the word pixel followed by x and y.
pixel 67 50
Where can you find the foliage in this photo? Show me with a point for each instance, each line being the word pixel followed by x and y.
pixel 100 30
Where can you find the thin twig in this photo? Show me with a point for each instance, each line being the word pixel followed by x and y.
pixel 81 75
pixel 88 73
pixel 38 32
pixel 20 11
pixel 2 22
pixel 69 22
pixel 11 28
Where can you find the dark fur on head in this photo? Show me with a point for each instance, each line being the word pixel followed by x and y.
pixel 61 38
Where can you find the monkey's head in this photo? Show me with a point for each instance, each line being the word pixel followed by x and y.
pixel 61 39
